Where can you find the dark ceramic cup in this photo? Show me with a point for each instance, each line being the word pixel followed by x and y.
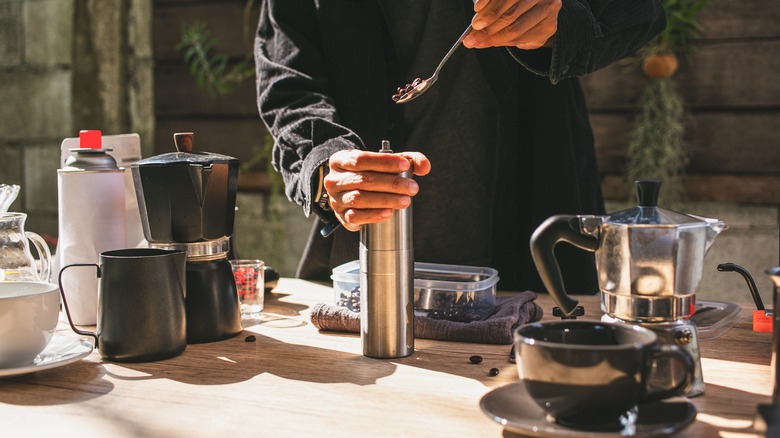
pixel 592 375
pixel 141 312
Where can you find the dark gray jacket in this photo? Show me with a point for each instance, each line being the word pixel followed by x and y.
pixel 326 70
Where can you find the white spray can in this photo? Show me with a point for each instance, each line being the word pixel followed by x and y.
pixel 91 205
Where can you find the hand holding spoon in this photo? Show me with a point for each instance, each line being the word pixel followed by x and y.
pixel 420 86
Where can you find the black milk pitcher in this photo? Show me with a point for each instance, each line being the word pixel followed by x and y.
pixel 141 313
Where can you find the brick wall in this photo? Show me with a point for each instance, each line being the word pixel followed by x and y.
pixel 67 65
pixel 35 91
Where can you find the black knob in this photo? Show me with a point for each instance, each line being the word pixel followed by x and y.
pixel 647 191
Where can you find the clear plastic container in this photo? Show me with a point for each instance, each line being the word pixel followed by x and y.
pixel 346 285
pixel 451 292
pixel 714 318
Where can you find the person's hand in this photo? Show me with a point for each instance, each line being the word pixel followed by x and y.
pixel 364 187
pixel 525 24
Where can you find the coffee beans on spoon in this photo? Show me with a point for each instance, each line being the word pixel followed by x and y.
pixel 403 92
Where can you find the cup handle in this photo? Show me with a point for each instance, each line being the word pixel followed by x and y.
pixel 65 302
pixel 662 351
pixel 43 253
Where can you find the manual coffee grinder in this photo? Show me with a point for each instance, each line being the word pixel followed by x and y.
pixel 187 201
pixel 649 263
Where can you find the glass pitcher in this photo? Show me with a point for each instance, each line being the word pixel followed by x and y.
pixel 16 261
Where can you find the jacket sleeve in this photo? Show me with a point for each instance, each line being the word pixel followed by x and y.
pixel 593 34
pixel 293 98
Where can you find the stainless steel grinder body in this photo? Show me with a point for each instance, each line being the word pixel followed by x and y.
pixel 387 284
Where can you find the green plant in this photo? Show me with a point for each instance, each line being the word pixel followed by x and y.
pixel 216 76
pixel 657 149
pixel 682 29
pixel 212 71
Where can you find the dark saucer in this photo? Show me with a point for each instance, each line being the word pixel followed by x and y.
pixel 512 407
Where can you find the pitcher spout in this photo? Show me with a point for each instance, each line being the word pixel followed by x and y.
pixel 714 228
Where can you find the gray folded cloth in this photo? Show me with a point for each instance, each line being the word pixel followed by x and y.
pixel 510 313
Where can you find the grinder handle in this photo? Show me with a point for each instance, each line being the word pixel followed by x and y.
pixel 559 228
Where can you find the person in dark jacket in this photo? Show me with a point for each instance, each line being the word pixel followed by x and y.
pixel 501 141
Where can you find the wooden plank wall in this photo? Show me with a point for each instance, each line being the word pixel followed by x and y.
pixel 226 124
pixel 731 88
pixel 732 91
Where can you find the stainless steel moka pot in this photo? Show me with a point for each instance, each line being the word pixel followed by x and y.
pixel 649 264
pixel 387 283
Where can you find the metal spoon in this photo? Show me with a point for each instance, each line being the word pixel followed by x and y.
pixel 420 86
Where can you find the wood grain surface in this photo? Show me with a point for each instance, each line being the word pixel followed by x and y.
pixel 296 381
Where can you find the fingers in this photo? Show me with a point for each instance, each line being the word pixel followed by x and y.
pixel 492 12
pixel 419 161
pixel 365 187
pixel 521 23
pixel 353 219
pixel 536 37
pixel 377 182
pixel 354 208
pixel 364 161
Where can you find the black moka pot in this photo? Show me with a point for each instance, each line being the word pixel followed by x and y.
pixel 187 202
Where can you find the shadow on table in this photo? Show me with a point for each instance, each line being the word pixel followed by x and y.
pixel 454 358
pixel 715 415
pixel 274 305
pixel 236 360
pixel 76 382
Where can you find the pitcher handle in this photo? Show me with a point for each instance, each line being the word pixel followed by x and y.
pixel 65 301
pixel 663 351
pixel 44 271
pixel 559 228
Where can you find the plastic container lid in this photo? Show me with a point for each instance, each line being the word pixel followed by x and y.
pixel 348 272
pixel 716 320
pixel 432 276
pixel 453 277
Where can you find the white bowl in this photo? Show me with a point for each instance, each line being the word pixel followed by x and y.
pixel 28 316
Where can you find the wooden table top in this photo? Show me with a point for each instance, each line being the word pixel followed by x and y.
pixel 296 381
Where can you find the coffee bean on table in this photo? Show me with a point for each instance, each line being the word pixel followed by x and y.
pixel 494 372
pixel 475 359
pixel 250 338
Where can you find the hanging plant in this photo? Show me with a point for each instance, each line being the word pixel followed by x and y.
pixel 657 149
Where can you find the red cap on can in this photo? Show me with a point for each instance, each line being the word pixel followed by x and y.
pixel 762 323
pixel 90 139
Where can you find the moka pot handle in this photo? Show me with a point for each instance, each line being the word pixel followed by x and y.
pixel 558 228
